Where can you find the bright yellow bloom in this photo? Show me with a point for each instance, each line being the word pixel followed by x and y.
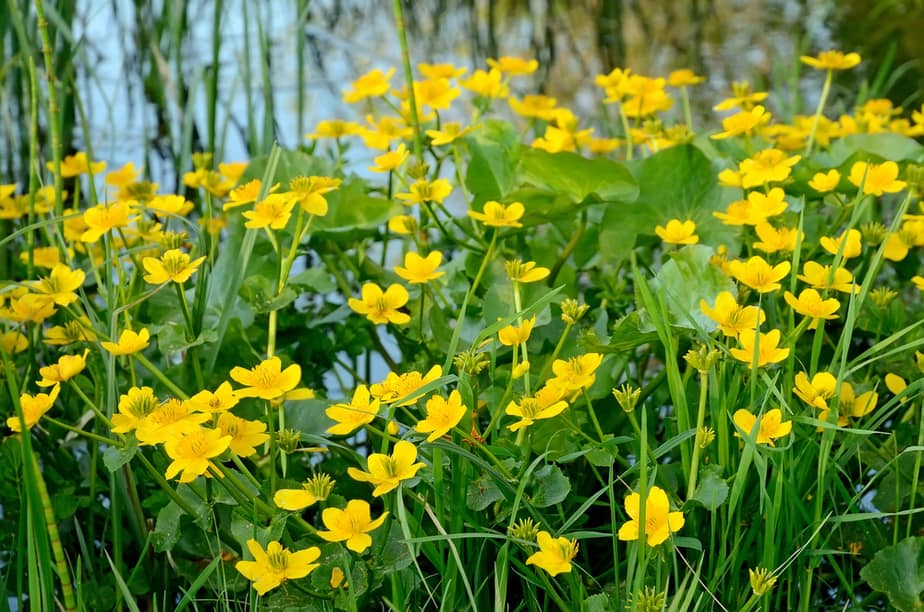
pixel 732 318
pixel 555 554
pixel 769 425
pixel 512 335
pixel 276 564
pixel 273 211
pixel 61 285
pixel 811 305
pixel 684 77
pixel 678 232
pixel 730 178
pixel 246 194
pixel 831 60
pixel 441 71
pixel 821 277
pixel 31 307
pixel 525 272
pixel 169 206
pixel 646 96
pixel 442 415
pixel 447 134
pixel 897 245
pixel 419 269
pixel 192 453
pixel 124 176
pixel 423 190
pixel 773 239
pixel 895 384
pixel 33 408
pixel 174 265
pixel 576 373
pixel 755 209
pixel 166 421
pixel 77 164
pixel 387 471
pixel 404 225
pixel 351 525
pixel 850 405
pixel 763 347
pixel 436 93
pixel 381 307
pixel 334 128
pixel 824 182
pixel 267 380
pixel 138 403
pixel 660 522
pixel 514 66
pixel 391 160
pixel 67 367
pixel 918 281
pixel 350 417
pixel 309 191
pixel 545 404
pixel 396 387
pixel 373 84
pixel 75 330
pixel 315 489
pixel 245 435
pixel 759 275
pixel 851 249
pixel 101 219
pixel 43 257
pixel 602 146
pixel 816 392
pixel 221 400
pixel 744 122
pixel 769 166
pixel 384 131
pixel 534 106
pixel 129 342
pixel 14 342
pixel 488 84
pixel 876 179
pixel 498 215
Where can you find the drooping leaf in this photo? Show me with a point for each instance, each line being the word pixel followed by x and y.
pixel 712 490
pixel 898 571
pixel 578 177
pixel 481 493
pixel 685 279
pixel 887 145
pixel 167 528
pixel 115 457
pixel 550 486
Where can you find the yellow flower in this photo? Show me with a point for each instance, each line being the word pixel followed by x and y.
pixel 14 342
pixel 396 387
pixel 498 215
pixel 525 272
pixel 447 134
pixel 134 406
pixel 769 166
pixel 373 84
pixel 773 239
pixel 770 425
pixel 816 392
pixel 77 164
pixel 555 554
pixel 334 128
pixel 545 404
pixel 223 399
pixel 276 564
pixel 576 373
pixel 384 131
pixel 267 380
pixel 766 349
pixel 684 77
pixel 391 160
pixel 174 265
pixel 895 384
pixel 233 171
pixel 273 211
pixel 124 176
pixel 423 190
pixel 511 335
pixel 744 122
pixel 419 269
pixel 678 232
pixel 169 205
pixel 811 305
pixel 102 218
pixel 831 60
pixel 33 408
pixel 759 275
pixel 387 471
pixel 381 307
pixel 730 178
pixel 245 435
pixel 308 192
pixel 60 286
pixel 404 225
pixel 315 489
pixel 168 420
pixel 435 93
pixel 850 405
pixel 755 209
pixel 824 182
pixel 246 194
pixel 660 522
pixel 350 417
pixel 43 257
pixel 876 179
pixel 918 281
pixel 31 307
pixel 441 71
pixel 67 367
pixel 514 66
pixel 851 249
pixel 351 525
pixel 129 342
pixel 821 277
pixel 442 415
pixel 486 84
pixel 897 245
pixel 75 330
pixel 534 106
pixel 732 318
pixel 192 453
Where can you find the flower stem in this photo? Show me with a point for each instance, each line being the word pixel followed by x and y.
pixel 821 105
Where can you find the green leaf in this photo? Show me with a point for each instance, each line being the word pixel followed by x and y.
pixel 353 213
pixel 898 571
pixel 259 292
pixel 551 486
pixel 167 528
pixel 577 177
pixel 598 603
pixel 313 279
pixel 171 338
pixel 291 164
pixel 687 278
pixel 115 457
pixel 886 145
pixel 491 169
pixel 481 493
pixel 712 490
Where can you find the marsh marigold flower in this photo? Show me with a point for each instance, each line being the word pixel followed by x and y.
pixel 769 425
pixel 555 554
pixel 764 346
pixel 442 415
pixel 447 134
pixel 373 84
pixel 512 335
pixel 810 304
pixel 852 247
pixel 245 435
pixel 174 265
pixel 436 93
pixel 660 522
pixel 732 318
pixel 309 191
pixel 772 240
pixel 817 391
pixel 387 471
pixel 361 410
pixel 267 380
pixel 129 342
pixel 138 403
pixel 576 373
pixel 381 307
pixel 391 160
pixel 744 122
pixel 678 232
pixel 850 405
pixel 441 71
pixel 824 182
pixel 67 367
pixel 876 179
pixel 33 408
pixel 514 66
pixel 276 564
pixel 498 215
pixel 545 404
pixel 102 218
pixel 822 277
pixel 351 525
pixel 221 400
pixel 334 128
pixel 315 489
pixel 423 190
pixel 77 164
pixel 831 60
pixel 61 285
pixel 192 453
pixel 768 166
pixel 398 386
pixel 525 272
pixel 488 84
pixel 273 211
pixel 757 274
pixel 418 270
pixel 168 420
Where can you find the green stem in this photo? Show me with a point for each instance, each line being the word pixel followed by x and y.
pixel 55 539
pixel 155 371
pixel 821 105
pixel 700 419
pixel 409 79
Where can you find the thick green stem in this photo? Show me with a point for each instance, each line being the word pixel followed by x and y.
pixel 821 105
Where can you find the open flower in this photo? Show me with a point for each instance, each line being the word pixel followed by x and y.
pixel 545 404
pixel 831 60
pixel 514 66
pixel 134 406
pixel 174 265
pixel 773 239
pixel 764 346
pixel 267 380
pixel 810 304
pixel 276 564
pixel 660 522
pixel 824 182
pixel 419 269
pixel 398 386
pixel 67 367
pixel 350 417
pixel 77 164
pixel 387 471
pixel 521 271
pixel 577 372
pixel 876 179
pixel 102 218
pixel 759 275
pixel 33 407
pixel 309 191
pixel 392 160
pixel 381 307
pixel 351 525
pixel 743 122
pixel 61 285
pixel 129 342
pixel 851 405
pixel 816 392
pixel 852 247
pixel 221 400
pixel 315 489
pixel 732 318
pixel 373 84
pixel 769 425
pixel 511 335
pixel 273 211
pixel 168 420
pixel 498 215
pixel 822 277
pixel 768 166
pixel 555 554
pixel 192 453
pixel 245 435
pixel 678 232
pixel 442 415
pixel 422 190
